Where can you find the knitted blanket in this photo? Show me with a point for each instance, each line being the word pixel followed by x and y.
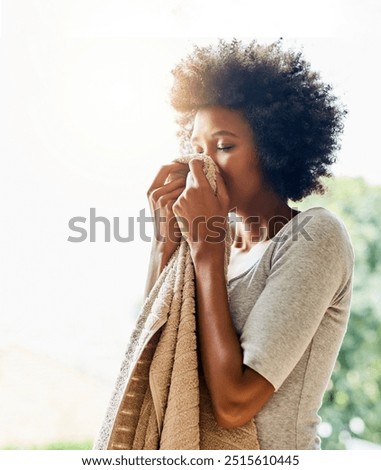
pixel 160 399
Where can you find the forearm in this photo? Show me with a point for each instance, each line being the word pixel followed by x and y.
pixel 158 259
pixel 221 350
pixel 237 391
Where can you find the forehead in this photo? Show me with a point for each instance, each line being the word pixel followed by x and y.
pixel 214 118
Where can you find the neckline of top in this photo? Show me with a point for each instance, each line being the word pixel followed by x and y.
pixel 271 240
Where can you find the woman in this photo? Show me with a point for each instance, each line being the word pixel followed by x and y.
pixel 271 126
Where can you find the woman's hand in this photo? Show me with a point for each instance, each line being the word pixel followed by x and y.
pixel 201 214
pixel 165 189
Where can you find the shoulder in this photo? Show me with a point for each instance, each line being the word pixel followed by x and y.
pixel 325 221
pixel 316 235
pixel 319 225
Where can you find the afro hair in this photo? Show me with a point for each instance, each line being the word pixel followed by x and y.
pixel 295 118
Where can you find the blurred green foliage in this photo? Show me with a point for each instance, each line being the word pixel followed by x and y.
pixel 355 389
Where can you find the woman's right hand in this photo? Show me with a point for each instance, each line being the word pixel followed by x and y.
pixel 167 186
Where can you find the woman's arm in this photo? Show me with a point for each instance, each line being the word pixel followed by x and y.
pixel 158 259
pixel 163 192
pixel 237 391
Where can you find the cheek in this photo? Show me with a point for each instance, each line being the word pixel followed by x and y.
pixel 243 178
pixel 241 169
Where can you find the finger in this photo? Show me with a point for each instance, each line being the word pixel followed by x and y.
pixel 164 199
pixel 164 171
pixel 177 182
pixel 221 187
pixel 176 173
pixel 175 185
pixel 196 167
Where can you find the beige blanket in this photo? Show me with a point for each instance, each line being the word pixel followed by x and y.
pixel 160 399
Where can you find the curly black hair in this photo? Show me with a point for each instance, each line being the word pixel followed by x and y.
pixel 295 118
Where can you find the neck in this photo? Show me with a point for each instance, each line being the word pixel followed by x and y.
pixel 260 220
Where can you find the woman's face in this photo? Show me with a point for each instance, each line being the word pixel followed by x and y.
pixel 225 135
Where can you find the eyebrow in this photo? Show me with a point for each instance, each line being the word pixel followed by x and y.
pixel 218 133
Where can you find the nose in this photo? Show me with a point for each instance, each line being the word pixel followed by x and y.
pixel 220 168
pixel 213 156
pixel 215 160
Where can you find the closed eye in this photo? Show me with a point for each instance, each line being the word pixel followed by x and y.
pixel 222 149
pixel 225 149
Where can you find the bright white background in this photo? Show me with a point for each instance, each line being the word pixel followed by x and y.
pixel 85 122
